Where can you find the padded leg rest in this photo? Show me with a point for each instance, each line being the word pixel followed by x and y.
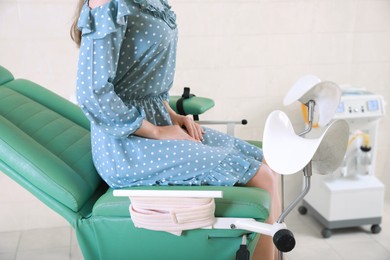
pixel 110 234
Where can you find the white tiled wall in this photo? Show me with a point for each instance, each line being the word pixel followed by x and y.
pixel 245 54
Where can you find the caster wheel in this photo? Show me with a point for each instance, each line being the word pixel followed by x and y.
pixel 375 229
pixel 284 240
pixel 326 233
pixel 302 210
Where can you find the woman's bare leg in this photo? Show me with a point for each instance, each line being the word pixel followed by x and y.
pixel 268 180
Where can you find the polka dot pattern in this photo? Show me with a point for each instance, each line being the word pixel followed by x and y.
pixel 126 68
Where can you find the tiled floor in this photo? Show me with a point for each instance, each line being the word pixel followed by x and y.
pixel 344 244
pixel 347 244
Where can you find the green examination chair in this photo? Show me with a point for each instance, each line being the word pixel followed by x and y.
pixel 45 147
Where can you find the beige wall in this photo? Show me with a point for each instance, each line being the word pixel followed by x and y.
pixel 245 54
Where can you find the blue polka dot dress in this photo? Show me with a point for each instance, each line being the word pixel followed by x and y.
pixel 126 68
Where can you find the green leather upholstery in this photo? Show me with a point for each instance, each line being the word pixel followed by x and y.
pixel 256 143
pixel 193 105
pixel 45 147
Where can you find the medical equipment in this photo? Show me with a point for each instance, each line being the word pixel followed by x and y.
pixel 45 147
pixel 336 200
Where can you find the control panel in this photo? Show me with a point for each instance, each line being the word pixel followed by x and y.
pixel 360 104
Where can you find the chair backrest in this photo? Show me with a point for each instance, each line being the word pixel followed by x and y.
pixel 45 147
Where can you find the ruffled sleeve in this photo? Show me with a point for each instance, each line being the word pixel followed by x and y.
pixel 103 20
pixel 103 30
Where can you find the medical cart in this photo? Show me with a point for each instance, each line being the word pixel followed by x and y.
pixel 352 196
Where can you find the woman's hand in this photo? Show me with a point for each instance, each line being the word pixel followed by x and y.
pixel 183 128
pixel 192 128
pixel 170 132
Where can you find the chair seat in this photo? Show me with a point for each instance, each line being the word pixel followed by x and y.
pixel 237 202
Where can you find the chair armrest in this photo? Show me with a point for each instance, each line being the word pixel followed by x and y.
pixel 192 105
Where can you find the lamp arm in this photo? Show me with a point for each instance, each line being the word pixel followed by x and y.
pixel 310 117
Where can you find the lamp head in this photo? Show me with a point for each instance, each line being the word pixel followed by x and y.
pixel 325 94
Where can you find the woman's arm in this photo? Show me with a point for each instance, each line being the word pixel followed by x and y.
pixel 192 128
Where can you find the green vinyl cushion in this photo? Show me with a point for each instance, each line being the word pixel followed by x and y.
pixel 193 105
pixel 51 150
pixel 5 75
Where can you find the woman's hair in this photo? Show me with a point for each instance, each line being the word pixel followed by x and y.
pixel 75 33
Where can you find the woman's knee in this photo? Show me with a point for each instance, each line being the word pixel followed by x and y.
pixel 264 178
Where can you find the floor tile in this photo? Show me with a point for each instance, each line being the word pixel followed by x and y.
pixel 353 234
pixel 361 250
pixel 9 241
pixel 345 244
pixel 45 238
pixel 44 254
pixel 75 252
pixel 317 252
pixel 7 255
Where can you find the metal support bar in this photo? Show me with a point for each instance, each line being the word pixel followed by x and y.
pixel 307 171
pixel 230 125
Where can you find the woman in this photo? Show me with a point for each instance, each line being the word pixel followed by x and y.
pixel 126 68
